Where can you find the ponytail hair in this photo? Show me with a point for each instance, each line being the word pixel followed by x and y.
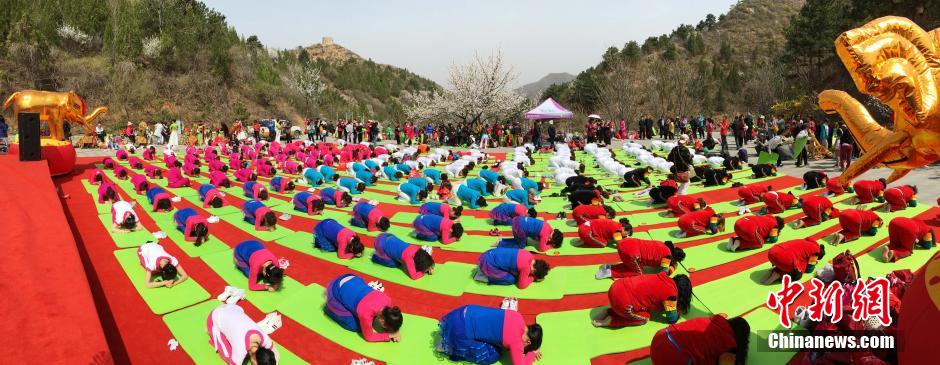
pixel 355 246
pixel 168 272
pixel 163 204
pixel 456 230
pixel 269 220
pixel 383 224
pixel 201 231
pixel 684 287
pixel 556 239
pixel 742 339
pixel 273 276
pixel 130 222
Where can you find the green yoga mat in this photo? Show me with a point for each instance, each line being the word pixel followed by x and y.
pixel 237 219
pixel 93 191
pixel 168 226
pixel 160 300
pixel 303 242
pixel 449 278
pixel 715 254
pixel 417 333
pixel 126 239
pixel 569 338
pixel 223 264
pixel 765 158
pixel 188 326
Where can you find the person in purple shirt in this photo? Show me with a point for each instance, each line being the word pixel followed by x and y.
pixel 505 212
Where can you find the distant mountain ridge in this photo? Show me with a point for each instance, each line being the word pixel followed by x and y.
pixel 534 90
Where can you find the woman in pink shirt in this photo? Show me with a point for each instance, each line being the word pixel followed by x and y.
pixel 477 334
pixel 357 307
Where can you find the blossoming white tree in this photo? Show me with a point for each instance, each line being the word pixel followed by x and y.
pixel 478 91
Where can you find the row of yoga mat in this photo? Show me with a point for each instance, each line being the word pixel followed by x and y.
pixel 570 328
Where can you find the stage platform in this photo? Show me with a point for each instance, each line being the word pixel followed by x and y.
pixel 49 314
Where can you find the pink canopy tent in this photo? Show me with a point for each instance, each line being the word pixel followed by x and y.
pixel 549 109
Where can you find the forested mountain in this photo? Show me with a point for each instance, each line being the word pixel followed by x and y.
pixel 725 63
pixel 763 56
pixel 167 59
pixel 535 89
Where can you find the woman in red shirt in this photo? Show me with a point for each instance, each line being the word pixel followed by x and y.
pixel 702 340
pixel 704 221
pixel 903 234
pixel 855 223
pixel 637 254
pixel 867 191
pixel 899 197
pixel 817 209
pixel 598 233
pixel 753 231
pixel 634 299
pixel 793 258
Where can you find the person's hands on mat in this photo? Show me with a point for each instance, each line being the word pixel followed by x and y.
pixel 394 337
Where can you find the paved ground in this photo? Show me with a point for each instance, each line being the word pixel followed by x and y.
pixel 927 179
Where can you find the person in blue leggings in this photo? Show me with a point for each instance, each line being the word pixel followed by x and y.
pixel 357 307
pixel 478 334
pixel 391 251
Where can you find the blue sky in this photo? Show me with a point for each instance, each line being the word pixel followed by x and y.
pixel 536 37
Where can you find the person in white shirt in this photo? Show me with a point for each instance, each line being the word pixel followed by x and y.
pixel 157 262
pixel 123 217
pixel 237 338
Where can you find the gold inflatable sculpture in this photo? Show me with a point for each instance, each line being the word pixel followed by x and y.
pixel 55 108
pixel 895 61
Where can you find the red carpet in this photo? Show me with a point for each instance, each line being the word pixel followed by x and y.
pixel 49 314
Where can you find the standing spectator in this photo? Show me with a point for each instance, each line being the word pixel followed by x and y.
pixel 551 133
pixel 846 142
pixel 822 134
pixel 536 134
pixel 311 130
pixel 803 157
pixel 129 132
pixel 158 130
pixel 4 128
pixel 256 129
pixel 725 128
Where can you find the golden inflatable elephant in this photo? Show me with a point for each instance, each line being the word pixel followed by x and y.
pixel 55 108
pixel 895 61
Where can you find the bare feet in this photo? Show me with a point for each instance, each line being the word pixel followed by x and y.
pixel 836 239
pixel 887 255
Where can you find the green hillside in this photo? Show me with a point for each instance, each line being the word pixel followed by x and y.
pixel 165 59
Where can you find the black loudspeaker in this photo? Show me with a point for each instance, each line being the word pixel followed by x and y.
pixel 29 136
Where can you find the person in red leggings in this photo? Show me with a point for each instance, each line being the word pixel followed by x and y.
pixel 903 235
pixel 704 221
pixel 597 233
pixel 854 224
pixel 793 258
pixel 816 209
pixel 638 254
pixel 702 340
pixel 753 231
pixel 867 191
pixel 900 197
pixel 750 194
pixel 634 299
pixel 680 204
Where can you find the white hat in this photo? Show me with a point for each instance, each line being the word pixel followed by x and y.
pixel 594 116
